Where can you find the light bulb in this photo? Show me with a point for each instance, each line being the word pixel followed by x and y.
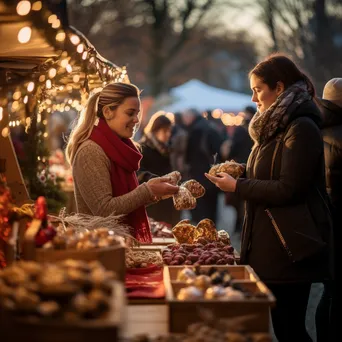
pixel 23 7
pixel 24 35
pixel 52 18
pixel 60 36
pixel 76 78
pixel 84 55
pixel 48 84
pixel 68 68
pixel 17 95
pixel 5 132
pixel 42 78
pixel 25 99
pixel 75 39
pixel 64 63
pixel 80 48
pixel 37 6
pixel 1 113
pixel 56 24
pixel 30 87
pixel 52 72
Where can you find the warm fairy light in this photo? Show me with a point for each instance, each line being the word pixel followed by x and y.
pixel 17 95
pixel 37 6
pixel 39 117
pixel 48 101
pixel 15 105
pixel 60 36
pixel 45 122
pixel 52 18
pixel 110 73
pixel 42 78
pixel 24 35
pixel 75 39
pixel 69 87
pixel 38 158
pixel 45 135
pixel 84 55
pixel 76 78
pixel 1 113
pixel 80 48
pixel 68 68
pixel 56 24
pixel 92 59
pixel 49 110
pixel 52 72
pixel 23 7
pixel 25 99
pixel 48 84
pixel 5 132
pixel 217 113
pixel 30 87
pixel 64 63
pixel 61 88
pixel 104 70
pixel 67 108
pixel 17 122
pixel 70 101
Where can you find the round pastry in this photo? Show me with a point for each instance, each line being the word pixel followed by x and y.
pixel 195 188
pixel 206 229
pixel 184 232
pixel 183 199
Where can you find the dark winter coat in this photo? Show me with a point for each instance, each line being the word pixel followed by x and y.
pixel 294 247
pixel 332 136
pixel 157 164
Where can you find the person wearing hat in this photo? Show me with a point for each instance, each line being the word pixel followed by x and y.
pixel 331 108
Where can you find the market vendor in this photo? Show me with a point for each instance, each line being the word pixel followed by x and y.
pixel 104 160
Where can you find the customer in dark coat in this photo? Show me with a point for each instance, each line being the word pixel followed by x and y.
pixel 331 108
pixel 156 161
pixel 203 146
pixel 287 230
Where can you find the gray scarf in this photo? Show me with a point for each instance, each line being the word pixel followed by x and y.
pixel 264 125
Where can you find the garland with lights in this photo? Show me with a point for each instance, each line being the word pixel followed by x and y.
pixel 29 98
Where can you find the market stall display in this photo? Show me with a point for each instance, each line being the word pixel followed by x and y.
pixel 64 300
pixel 228 291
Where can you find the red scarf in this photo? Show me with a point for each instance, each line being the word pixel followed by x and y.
pixel 125 161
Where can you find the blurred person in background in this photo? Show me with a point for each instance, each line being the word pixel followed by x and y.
pixel 202 151
pixel 239 150
pixel 156 160
pixel 178 146
pixel 331 109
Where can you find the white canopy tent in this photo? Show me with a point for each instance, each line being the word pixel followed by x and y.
pixel 198 95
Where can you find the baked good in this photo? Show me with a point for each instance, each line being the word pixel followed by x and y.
pixel 196 189
pixel 183 199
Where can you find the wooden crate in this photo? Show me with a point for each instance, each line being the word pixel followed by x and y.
pixel 34 330
pixel 253 311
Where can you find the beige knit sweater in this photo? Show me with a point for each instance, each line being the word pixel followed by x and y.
pixel 93 190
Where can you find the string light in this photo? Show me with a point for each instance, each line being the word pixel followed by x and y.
pixel 52 72
pixel 18 122
pixel 64 63
pixel 60 36
pixel 75 39
pixel 68 68
pixel 1 113
pixel 45 122
pixel 67 108
pixel 76 78
pixel 17 95
pixel 25 99
pixel 56 24
pixel 30 87
pixel 84 55
pixel 45 135
pixel 24 35
pixel 37 6
pixel 52 18
pixel 80 48
pixel 42 78
pixel 15 106
pixel 5 132
pixel 48 84
pixel 23 7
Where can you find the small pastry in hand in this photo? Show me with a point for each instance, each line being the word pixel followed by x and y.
pixel 183 199
pixel 175 177
pixel 230 167
pixel 196 189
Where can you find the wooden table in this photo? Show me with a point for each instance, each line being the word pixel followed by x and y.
pixel 146 319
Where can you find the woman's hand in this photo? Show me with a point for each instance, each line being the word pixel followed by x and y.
pixel 224 181
pixel 161 188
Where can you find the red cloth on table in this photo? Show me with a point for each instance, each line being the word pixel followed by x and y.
pixel 145 282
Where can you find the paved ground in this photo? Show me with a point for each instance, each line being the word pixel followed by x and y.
pixel 226 221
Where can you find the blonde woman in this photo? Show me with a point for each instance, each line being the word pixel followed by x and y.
pixel 105 160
